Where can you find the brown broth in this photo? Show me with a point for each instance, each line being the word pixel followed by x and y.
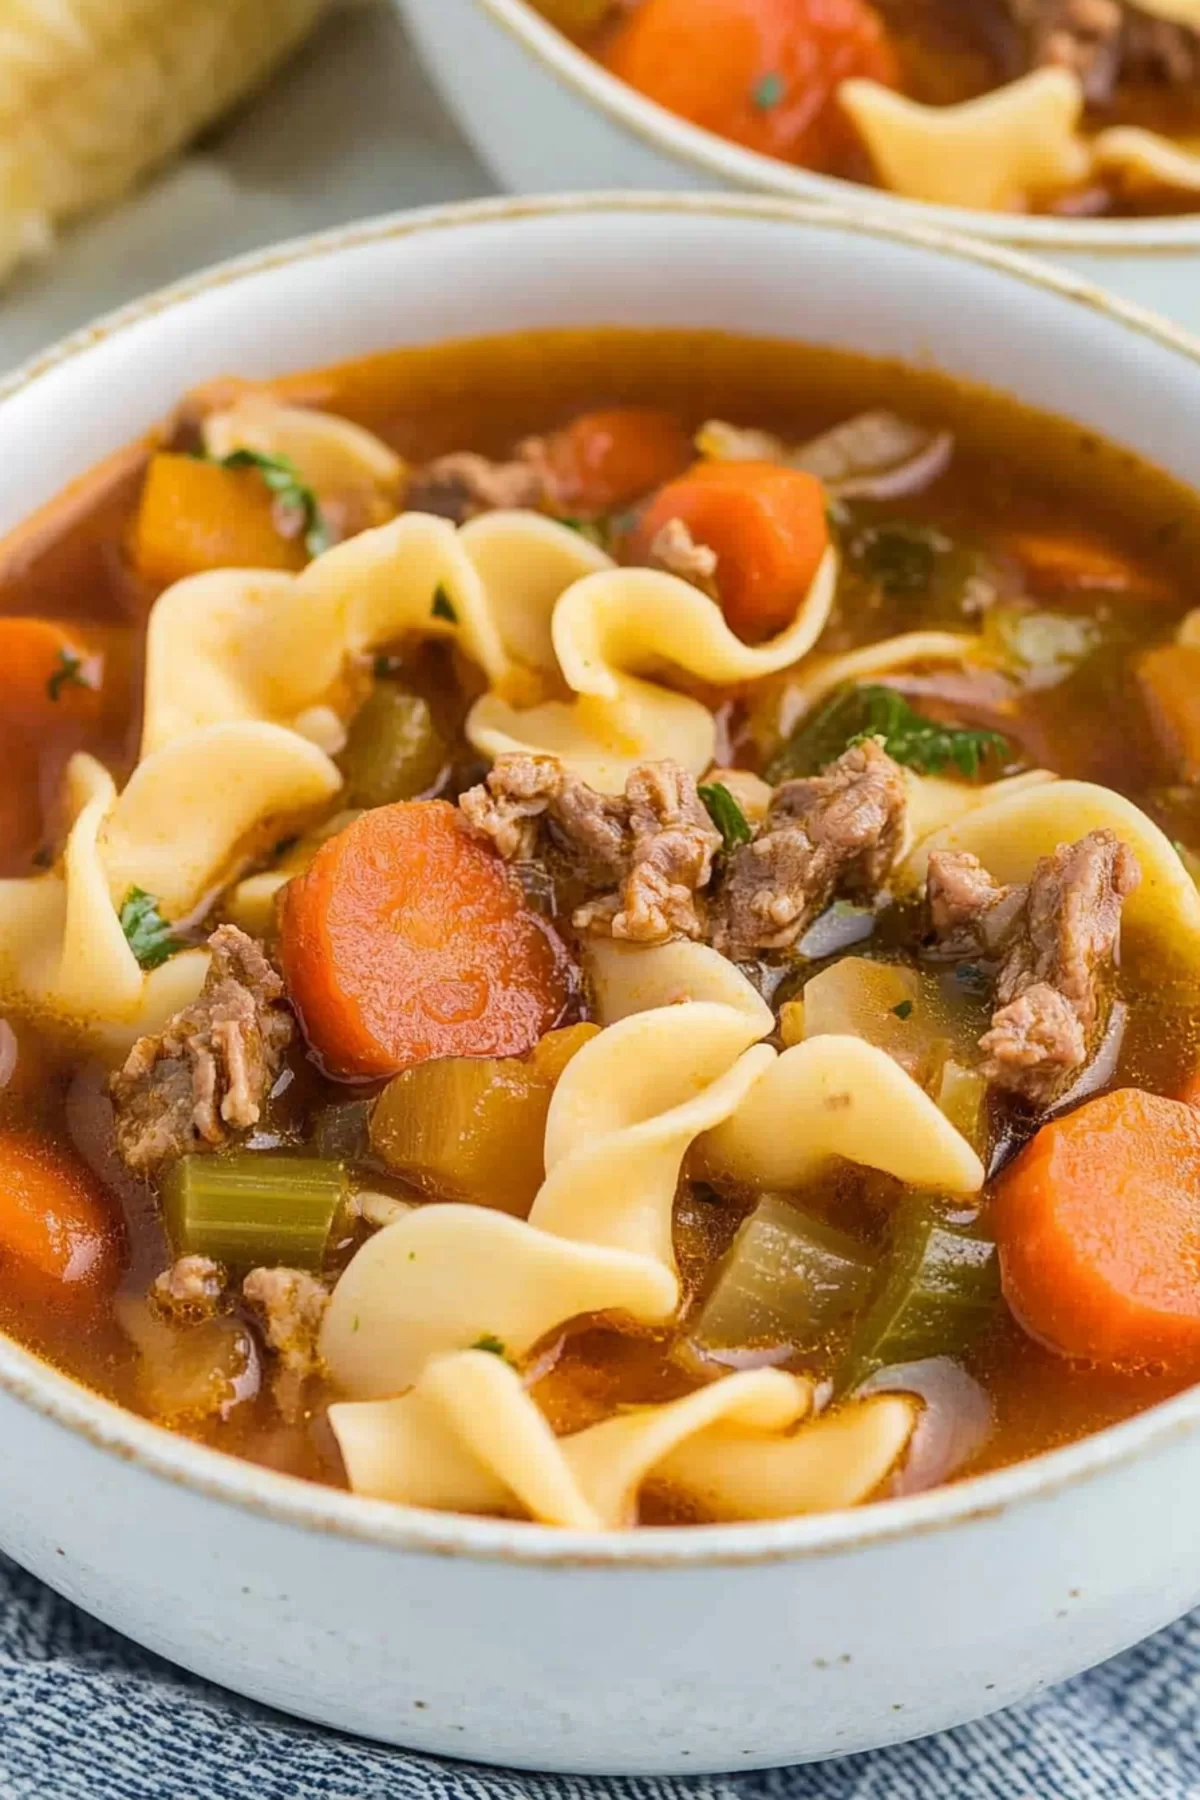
pixel 1014 472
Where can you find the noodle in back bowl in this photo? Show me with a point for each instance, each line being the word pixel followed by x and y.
pixel 507 1642
pixel 544 116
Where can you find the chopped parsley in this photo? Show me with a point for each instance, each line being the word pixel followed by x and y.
pixel 283 479
pixel 69 671
pixel 973 979
pixel 903 1010
pixel 853 714
pixel 768 92
pixel 146 931
pixel 594 530
pixel 726 815
pixel 443 606
pixel 491 1344
pixel 900 558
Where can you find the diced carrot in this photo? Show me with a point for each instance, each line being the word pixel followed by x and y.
pixel 1098 1223
pixel 767 526
pixel 1169 678
pixel 1059 564
pixel 198 515
pixel 762 72
pixel 406 939
pixel 604 460
pixel 59 1234
pixel 48 673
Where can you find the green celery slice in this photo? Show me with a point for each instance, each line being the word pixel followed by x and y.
pixel 940 1289
pixel 394 751
pixel 253 1207
pixel 786 1278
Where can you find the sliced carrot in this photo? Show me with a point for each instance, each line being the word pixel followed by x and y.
pixel 762 72
pixel 1060 564
pixel 767 526
pixel 197 515
pixel 1169 678
pixel 604 460
pixel 58 1231
pixel 407 939
pixel 1098 1223
pixel 51 700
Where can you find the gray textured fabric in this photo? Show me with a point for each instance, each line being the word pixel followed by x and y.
pixel 85 1715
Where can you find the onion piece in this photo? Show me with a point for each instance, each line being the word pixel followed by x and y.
pixel 955 1420
pixel 873 456
pixel 89 1119
pixel 8 1053
pixel 838 927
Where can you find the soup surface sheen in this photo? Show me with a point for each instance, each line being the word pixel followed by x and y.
pixel 601 926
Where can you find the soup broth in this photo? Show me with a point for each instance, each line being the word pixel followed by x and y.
pixel 178 1211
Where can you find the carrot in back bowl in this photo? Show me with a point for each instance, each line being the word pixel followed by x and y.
pixel 1098 1224
pixel 406 939
pixel 607 459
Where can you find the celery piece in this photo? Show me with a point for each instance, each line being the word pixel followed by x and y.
pixel 941 1287
pixel 342 1132
pixel 394 750
pixel 252 1207
pixel 786 1278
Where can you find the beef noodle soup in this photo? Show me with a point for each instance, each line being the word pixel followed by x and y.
pixel 1077 107
pixel 602 927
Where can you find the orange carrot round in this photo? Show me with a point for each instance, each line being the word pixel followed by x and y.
pixel 767 526
pixel 58 1232
pixel 47 675
pixel 1098 1223
pixel 762 72
pixel 406 939
pixel 607 459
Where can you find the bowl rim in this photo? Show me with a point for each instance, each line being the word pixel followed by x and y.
pixel 298 1504
pixel 712 155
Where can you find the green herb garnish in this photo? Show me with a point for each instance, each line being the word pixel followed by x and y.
pixel 901 559
pixel 972 979
pixel 768 92
pixel 491 1344
pixel 726 815
pixel 854 714
pixel 146 931
pixel 443 606
pixel 69 672
pixel 903 1010
pixel 283 479
pixel 596 531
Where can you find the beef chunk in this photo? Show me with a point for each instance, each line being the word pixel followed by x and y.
pixel 462 485
pixel 1055 943
pixel 192 1288
pixel 291 1305
pixel 676 550
pixel 1106 41
pixel 650 850
pixel 835 832
pixel 205 1076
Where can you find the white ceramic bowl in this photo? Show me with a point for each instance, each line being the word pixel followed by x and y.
pixel 688 1650
pixel 544 117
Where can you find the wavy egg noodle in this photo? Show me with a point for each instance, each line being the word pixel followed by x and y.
pixel 329 453
pixel 177 830
pixel 678 1063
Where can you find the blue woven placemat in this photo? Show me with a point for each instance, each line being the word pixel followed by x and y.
pixel 86 1715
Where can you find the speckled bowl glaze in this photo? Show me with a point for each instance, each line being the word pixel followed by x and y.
pixel 676 1650
pixel 543 116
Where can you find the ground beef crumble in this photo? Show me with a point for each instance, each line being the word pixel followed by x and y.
pixel 462 485
pixel 1055 941
pixel 193 1288
pixel 838 832
pixel 204 1077
pixel 1105 42
pixel 651 850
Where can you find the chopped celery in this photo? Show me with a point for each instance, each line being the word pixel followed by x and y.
pixel 961 1093
pixel 394 751
pixel 342 1133
pixel 786 1279
pixel 941 1287
pixel 254 1206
